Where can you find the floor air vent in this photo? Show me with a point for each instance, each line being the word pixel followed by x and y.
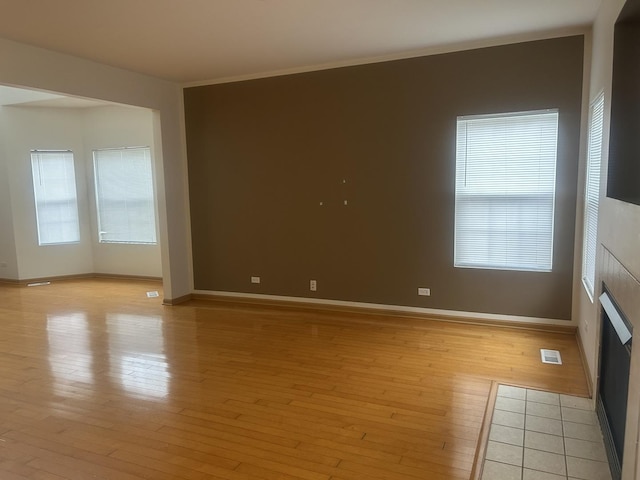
pixel 550 356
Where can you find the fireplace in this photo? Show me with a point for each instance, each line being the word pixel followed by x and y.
pixel 615 363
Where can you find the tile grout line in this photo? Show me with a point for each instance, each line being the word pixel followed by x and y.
pixel 526 411
pixel 564 441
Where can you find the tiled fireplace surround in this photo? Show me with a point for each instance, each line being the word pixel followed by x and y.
pixel 626 291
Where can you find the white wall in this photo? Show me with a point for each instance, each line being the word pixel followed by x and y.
pixel 8 257
pixel 600 80
pixel 28 129
pixel 81 131
pixel 23 65
pixel 618 233
pixel 113 127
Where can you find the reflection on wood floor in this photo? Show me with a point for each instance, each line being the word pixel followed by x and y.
pixel 97 381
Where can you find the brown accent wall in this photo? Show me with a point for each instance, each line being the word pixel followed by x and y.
pixel 272 161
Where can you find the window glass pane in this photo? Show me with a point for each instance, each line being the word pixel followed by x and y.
pixel 54 188
pixel 592 194
pixel 124 195
pixel 505 190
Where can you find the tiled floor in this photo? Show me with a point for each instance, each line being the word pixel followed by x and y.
pixel 544 436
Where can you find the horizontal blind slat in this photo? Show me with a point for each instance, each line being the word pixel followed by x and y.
pixel 592 192
pixel 54 188
pixel 505 190
pixel 124 195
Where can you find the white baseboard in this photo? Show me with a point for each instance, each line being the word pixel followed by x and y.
pixel 398 309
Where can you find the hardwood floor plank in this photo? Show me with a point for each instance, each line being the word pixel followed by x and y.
pixel 99 381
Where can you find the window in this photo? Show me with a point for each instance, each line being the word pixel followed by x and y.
pixel 592 194
pixel 505 190
pixel 124 195
pixel 54 188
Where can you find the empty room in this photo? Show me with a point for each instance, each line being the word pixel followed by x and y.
pixel 322 240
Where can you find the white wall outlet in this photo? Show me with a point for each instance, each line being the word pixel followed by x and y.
pixel 313 286
pixel 424 292
pixel 255 279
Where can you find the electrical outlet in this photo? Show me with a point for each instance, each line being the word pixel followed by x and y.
pixel 3 264
pixel 424 292
pixel 313 286
pixel 255 279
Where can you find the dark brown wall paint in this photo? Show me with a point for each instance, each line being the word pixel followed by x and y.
pixel 264 153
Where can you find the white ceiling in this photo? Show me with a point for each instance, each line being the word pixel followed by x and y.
pixel 192 41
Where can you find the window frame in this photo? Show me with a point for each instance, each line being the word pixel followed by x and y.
pixel 150 215
pixel 593 168
pixel 36 158
pixel 500 147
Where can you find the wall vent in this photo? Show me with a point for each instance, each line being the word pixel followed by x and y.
pixel 550 356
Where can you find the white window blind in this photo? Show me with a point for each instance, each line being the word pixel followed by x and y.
pixel 124 195
pixel 54 188
pixel 592 194
pixel 505 190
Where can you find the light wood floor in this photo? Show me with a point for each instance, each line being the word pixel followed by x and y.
pixel 97 381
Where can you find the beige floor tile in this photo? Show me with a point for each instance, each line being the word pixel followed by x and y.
pixel 543 397
pixel 508 419
pixel 543 425
pixel 510 404
pixel 544 442
pixel 583 449
pixel 576 402
pixel 581 431
pixel 504 453
pixel 538 475
pixel 543 410
pixel 588 469
pixel 539 435
pixel 512 392
pixel 500 471
pixel 544 462
pixel 576 415
pixel 510 435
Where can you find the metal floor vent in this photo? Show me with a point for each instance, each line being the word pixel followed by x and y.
pixel 550 356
